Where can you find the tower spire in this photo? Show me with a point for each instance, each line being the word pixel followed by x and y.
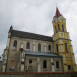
pixel 57 13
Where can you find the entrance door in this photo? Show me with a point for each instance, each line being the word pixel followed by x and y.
pixel 30 69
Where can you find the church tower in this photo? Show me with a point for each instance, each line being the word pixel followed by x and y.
pixel 62 42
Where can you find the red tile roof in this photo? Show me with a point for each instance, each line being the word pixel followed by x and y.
pixel 57 13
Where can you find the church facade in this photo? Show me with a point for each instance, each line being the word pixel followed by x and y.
pixel 29 52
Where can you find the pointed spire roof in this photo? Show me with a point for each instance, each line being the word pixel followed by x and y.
pixel 57 13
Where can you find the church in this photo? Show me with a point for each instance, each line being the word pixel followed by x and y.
pixel 29 52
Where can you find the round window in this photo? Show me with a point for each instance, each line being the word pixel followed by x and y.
pixel 30 61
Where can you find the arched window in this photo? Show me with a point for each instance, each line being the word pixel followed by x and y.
pixel 55 30
pixel 57 48
pixel 49 47
pixel 39 47
pixel 57 64
pixel 66 47
pixel 44 64
pixel 28 46
pixel 63 28
pixel 58 27
pixel 69 68
pixel 15 44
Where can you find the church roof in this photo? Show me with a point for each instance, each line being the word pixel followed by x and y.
pixel 42 54
pixel 57 13
pixel 31 35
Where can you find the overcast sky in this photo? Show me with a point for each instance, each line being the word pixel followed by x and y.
pixel 36 16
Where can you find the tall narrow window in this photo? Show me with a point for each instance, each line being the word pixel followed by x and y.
pixel 66 47
pixel 58 27
pixel 39 47
pixel 28 46
pixel 15 44
pixel 57 64
pixel 44 64
pixel 34 45
pixel 69 67
pixel 49 47
pixel 63 28
pixel 57 48
pixel 55 30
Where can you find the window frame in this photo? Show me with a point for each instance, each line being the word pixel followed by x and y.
pixel 55 29
pixel 63 29
pixel 39 47
pixel 49 47
pixel 57 65
pixel 57 49
pixel 58 27
pixel 15 44
pixel 66 47
pixel 28 46
pixel 69 67
pixel 44 64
